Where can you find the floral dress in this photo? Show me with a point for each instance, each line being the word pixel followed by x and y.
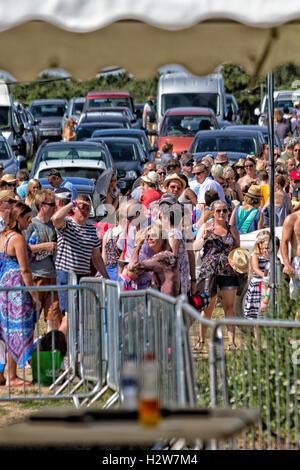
pixel 215 256
pixel 16 311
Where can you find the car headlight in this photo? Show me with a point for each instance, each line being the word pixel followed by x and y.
pixel 131 174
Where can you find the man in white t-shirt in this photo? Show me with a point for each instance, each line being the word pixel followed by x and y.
pixel 201 173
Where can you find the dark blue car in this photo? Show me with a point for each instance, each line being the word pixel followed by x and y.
pixel 221 140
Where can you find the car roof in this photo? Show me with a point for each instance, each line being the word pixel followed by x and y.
pixel 98 94
pixel 189 110
pixel 119 117
pixel 79 99
pixel 48 101
pixel 106 108
pixel 128 140
pixel 225 133
pixel 121 131
pixel 73 143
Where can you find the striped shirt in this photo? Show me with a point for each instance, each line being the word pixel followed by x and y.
pixel 75 244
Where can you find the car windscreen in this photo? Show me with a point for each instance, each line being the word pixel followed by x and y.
pixel 77 107
pixel 4 155
pixel 71 153
pixel 185 100
pixel 107 102
pixel 123 152
pixel 224 144
pixel 47 110
pixel 5 121
pixel 185 125
pixel 86 132
pixel 75 172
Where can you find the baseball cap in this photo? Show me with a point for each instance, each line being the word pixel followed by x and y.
pixel 295 175
pixel 168 198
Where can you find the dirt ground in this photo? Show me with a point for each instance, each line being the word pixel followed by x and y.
pixel 12 412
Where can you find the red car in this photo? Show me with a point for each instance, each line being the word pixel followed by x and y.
pixel 104 99
pixel 179 126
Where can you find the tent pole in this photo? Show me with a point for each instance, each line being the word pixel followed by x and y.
pixel 270 85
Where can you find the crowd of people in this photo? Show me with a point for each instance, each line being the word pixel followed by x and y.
pixel 178 230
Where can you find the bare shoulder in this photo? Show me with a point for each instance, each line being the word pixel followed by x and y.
pixel 291 219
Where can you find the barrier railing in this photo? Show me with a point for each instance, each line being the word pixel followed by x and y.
pixel 76 332
pixel 263 372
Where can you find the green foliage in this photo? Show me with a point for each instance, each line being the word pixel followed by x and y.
pixel 69 88
pixel 265 373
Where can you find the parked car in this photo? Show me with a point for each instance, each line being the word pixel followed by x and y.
pixel 232 109
pixel 129 158
pixel 50 114
pixel 80 159
pixel 27 146
pixel 101 117
pixel 225 140
pixel 86 129
pixel 256 127
pixel 84 186
pixel 115 111
pixel 135 133
pixel 74 109
pixel 11 125
pixel 11 162
pixel 35 127
pixel 97 99
pixel 179 126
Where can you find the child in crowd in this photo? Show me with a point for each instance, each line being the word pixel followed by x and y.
pixel 260 257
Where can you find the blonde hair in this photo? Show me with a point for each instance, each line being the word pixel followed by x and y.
pixel 29 198
pixel 262 236
pixel 42 195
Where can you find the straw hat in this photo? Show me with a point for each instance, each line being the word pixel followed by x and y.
pixel 8 178
pixel 254 191
pixel 239 260
pixel 6 195
pixel 151 177
pixel 174 177
pixel 240 163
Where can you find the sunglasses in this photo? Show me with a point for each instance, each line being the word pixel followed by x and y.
pixel 189 164
pixel 224 211
pixel 249 166
pixel 172 167
pixel 199 173
pixel 84 207
pixel 161 173
pixel 296 150
pixel 52 204
pixel 11 185
pixel 10 201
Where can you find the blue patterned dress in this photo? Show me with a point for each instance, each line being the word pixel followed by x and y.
pixel 16 311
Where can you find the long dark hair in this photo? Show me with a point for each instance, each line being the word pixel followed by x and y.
pixel 19 210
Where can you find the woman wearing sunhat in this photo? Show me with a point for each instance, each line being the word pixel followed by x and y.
pixel 248 217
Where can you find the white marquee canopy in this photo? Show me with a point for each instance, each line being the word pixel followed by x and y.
pixel 140 36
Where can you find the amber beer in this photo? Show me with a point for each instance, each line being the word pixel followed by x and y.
pixel 149 406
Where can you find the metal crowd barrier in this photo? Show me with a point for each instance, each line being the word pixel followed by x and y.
pixel 263 372
pixel 138 322
pixel 75 354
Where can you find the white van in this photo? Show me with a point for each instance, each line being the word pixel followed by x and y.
pixel 282 99
pixel 10 126
pixel 181 89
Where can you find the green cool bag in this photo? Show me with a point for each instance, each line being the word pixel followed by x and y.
pixel 47 375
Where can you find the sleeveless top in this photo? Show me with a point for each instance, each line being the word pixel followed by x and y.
pixel 215 255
